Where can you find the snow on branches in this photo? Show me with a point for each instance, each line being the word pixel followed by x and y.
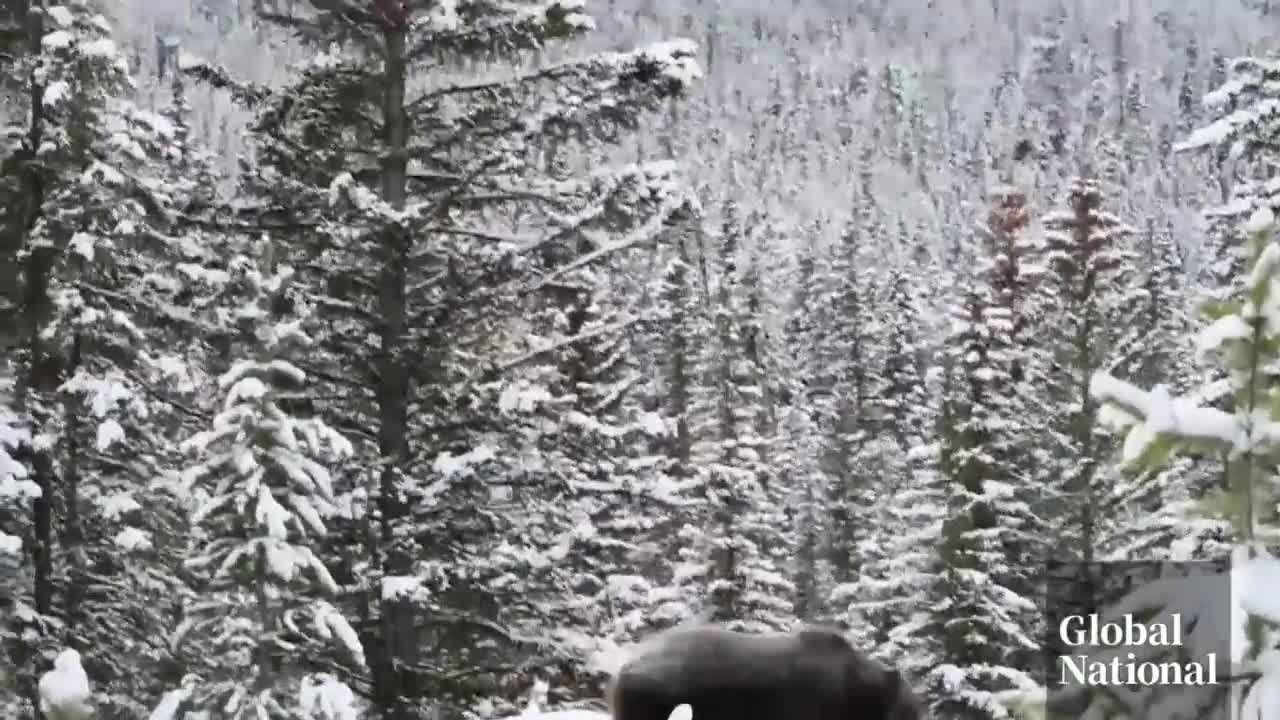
pixel 264 492
pixel 1236 332
pixel 64 691
pixel 1243 333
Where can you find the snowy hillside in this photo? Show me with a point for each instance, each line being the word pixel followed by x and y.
pixel 375 359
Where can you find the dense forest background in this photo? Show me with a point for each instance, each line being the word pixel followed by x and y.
pixel 434 350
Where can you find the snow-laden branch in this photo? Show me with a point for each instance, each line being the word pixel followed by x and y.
pixel 565 342
pixel 673 60
pixel 216 76
pixel 452 27
pixel 1151 414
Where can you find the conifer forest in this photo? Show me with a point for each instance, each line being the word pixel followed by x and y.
pixel 409 359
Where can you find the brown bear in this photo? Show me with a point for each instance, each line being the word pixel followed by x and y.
pixel 810 674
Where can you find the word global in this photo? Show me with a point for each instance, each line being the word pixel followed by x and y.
pixel 1076 630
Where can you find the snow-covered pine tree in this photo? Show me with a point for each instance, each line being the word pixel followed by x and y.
pixel 985 620
pixel 15 490
pixel 1049 71
pixel 890 110
pixel 429 221
pixel 903 517
pixel 1157 318
pixel 90 231
pixel 984 617
pixel 1237 163
pixel 258 627
pixel 916 644
pixel 1241 333
pixel 135 528
pixel 805 407
pixel 901 563
pixel 1016 316
pixel 1153 520
pixel 729 556
pixel 78 72
pixel 1240 162
pixel 1084 253
pixel 1158 425
pixel 910 568
pixel 848 358
pixel 897 394
pixel 764 355
pixel 662 342
pixel 588 492
pixel 689 331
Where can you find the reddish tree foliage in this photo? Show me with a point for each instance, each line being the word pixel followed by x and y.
pixel 1083 246
pixel 1009 278
pixel 393 13
pixel 1009 216
pixel 1009 213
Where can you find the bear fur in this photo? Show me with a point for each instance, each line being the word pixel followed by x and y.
pixel 810 674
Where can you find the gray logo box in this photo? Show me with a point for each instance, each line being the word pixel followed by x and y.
pixel 1137 640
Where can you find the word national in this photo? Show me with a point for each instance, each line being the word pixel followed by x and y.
pixel 1129 671
pixel 1089 631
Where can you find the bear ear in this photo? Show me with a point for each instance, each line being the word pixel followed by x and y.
pixel 892 683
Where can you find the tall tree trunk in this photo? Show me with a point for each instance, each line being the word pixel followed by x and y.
pixel 72 532
pixel 679 380
pixel 42 372
pixel 265 649
pixel 398 636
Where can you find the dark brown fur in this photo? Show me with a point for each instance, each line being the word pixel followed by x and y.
pixel 812 674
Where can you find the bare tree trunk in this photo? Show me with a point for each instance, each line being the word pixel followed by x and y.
pixel 42 371
pixel 72 532
pixel 266 635
pixel 391 680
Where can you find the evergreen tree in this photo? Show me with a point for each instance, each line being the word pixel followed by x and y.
pixel 15 492
pixel 687 335
pixel 1084 255
pixel 1151 346
pixel 745 586
pixel 991 538
pixel 526 345
pixel 898 394
pixel 1159 425
pixel 428 261
pixel 806 401
pixel 1153 514
pixel 589 484
pixel 264 492
pixel 983 617
pixel 1018 324
pixel 847 357
pixel 89 232
pixel 903 516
